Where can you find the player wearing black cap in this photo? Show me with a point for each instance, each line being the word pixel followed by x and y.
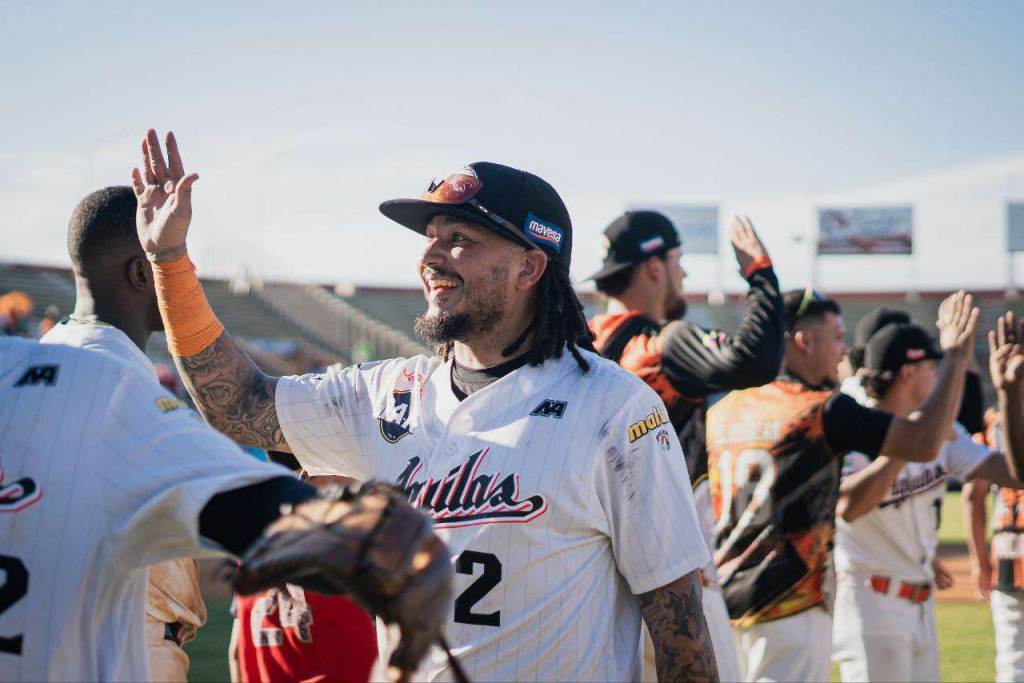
pixel 888 514
pixel 774 457
pixel 682 361
pixel 972 408
pixel 528 448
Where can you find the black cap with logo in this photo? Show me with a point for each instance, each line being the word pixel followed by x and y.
pixel 876 320
pixel 634 237
pixel 518 205
pixel 866 328
pixel 897 344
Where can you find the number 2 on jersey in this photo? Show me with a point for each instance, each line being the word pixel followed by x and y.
pixel 491 576
pixel 14 588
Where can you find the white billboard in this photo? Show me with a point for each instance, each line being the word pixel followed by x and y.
pixel 866 230
pixel 1015 226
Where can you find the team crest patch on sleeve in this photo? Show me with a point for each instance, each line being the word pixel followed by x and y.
pixel 654 419
pixel 543 233
pixel 394 421
pixel 713 339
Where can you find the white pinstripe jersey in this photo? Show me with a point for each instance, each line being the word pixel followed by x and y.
pixel 561 496
pixel 102 473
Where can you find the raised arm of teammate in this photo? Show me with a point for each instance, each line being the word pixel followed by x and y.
pixel 976 522
pixel 698 362
pixel 1006 366
pixel 229 389
pixel 917 438
pixel 861 491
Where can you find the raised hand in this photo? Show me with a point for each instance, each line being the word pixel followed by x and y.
pixel 957 323
pixel 1006 355
pixel 745 241
pixel 164 194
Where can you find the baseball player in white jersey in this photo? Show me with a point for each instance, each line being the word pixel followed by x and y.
pixel 103 473
pixel 115 299
pixel 555 474
pixel 999 574
pixel 888 513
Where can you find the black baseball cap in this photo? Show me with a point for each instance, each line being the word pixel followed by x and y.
pixel 518 205
pixel 868 326
pixel 634 237
pixel 897 344
pixel 875 321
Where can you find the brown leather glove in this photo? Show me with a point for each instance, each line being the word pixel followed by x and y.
pixel 369 544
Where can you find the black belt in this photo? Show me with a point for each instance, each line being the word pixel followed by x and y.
pixel 172 632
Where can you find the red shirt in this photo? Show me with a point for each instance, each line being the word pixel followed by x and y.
pixel 295 635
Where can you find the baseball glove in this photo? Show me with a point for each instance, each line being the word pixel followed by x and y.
pixel 371 545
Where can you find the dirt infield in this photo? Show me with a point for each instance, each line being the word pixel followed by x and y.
pixel 954 556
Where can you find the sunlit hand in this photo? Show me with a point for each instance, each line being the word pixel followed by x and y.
pixel 1005 353
pixel 981 577
pixel 943 578
pixel 957 323
pixel 745 241
pixel 164 194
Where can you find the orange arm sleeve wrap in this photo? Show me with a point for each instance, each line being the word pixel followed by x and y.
pixel 189 322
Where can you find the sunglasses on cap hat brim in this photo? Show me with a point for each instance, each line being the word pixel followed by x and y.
pixel 461 188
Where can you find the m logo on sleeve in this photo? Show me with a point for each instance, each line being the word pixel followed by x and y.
pixel 550 408
pixel 39 374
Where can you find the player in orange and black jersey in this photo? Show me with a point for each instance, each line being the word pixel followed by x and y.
pixel 683 362
pixel 774 463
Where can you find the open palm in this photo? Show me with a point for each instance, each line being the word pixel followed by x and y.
pixel 958 320
pixel 164 195
pixel 1006 355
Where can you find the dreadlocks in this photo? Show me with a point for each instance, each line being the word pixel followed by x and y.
pixel 559 322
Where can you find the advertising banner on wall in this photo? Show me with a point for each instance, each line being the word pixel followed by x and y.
pixel 1015 226
pixel 697 225
pixel 866 230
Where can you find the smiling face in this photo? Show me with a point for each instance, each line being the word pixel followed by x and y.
pixel 470 276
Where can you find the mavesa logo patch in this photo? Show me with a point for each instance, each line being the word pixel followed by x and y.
pixel 649 423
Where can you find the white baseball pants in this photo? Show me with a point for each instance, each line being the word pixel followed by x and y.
pixel 793 648
pixel 880 637
pixel 1008 619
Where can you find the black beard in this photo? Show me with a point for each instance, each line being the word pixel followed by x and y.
pixel 445 327
pixel 675 310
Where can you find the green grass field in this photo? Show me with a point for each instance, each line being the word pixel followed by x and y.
pixel 965 630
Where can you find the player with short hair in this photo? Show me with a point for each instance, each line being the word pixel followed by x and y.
pixel 115 313
pixel 972 409
pixel 774 463
pixel 683 362
pixel 554 472
pixel 104 473
pixel 888 512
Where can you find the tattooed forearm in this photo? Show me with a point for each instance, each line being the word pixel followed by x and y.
pixel 233 394
pixel 675 618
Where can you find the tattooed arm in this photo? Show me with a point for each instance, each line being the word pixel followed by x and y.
pixel 682 644
pixel 233 394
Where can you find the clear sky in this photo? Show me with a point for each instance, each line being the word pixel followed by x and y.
pixel 301 119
